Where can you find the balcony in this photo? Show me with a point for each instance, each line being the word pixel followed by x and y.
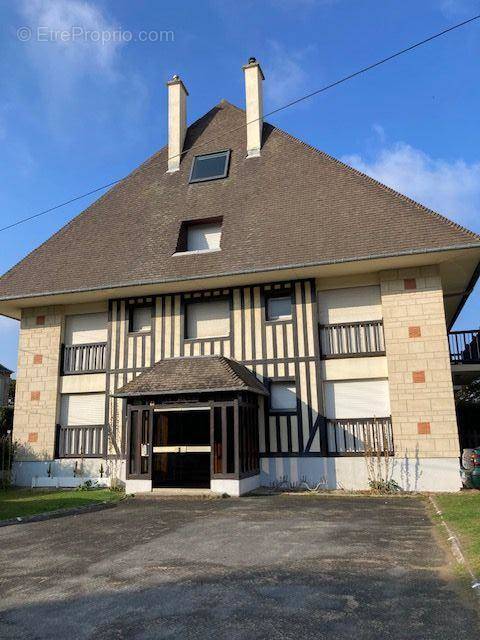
pixel 360 436
pixel 83 358
pixel 464 346
pixel 80 441
pixel 352 339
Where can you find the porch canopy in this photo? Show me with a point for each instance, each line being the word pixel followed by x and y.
pixel 193 375
pixel 227 389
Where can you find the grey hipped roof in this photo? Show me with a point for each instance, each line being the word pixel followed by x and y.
pixel 292 206
pixel 196 374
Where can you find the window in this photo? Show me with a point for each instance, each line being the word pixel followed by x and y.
pixel 210 166
pixel 200 236
pixel 353 304
pixel 140 319
pixel 357 399
pixel 82 409
pixel 86 328
pixel 279 308
pixel 283 396
pixel 204 237
pixel 207 319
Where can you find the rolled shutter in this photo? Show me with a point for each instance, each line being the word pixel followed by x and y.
pixel 208 319
pixel 357 399
pixel 86 328
pixel 353 304
pixel 82 409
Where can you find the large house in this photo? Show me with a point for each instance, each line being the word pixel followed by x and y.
pixel 241 310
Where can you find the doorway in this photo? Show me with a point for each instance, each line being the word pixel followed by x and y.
pixel 181 448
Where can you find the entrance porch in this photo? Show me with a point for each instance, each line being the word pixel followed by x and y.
pixel 193 423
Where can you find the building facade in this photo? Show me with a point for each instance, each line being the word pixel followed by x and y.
pixel 239 336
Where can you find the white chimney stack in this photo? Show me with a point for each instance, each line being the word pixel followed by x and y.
pixel 254 103
pixel 177 121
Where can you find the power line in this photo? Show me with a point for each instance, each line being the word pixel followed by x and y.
pixel 285 106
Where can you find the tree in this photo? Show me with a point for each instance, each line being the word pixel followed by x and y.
pixel 11 392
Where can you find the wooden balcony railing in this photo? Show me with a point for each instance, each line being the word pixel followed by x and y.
pixel 357 436
pixel 352 339
pixel 80 441
pixel 464 346
pixel 83 358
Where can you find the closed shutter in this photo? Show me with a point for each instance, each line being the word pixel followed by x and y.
pixel 353 304
pixel 86 328
pixel 357 399
pixel 283 396
pixel 204 237
pixel 82 409
pixel 208 319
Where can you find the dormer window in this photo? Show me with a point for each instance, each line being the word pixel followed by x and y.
pixel 210 166
pixel 200 236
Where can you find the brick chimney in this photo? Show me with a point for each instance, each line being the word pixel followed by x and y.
pixel 177 121
pixel 254 106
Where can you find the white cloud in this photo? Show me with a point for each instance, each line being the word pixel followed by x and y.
pixel 63 63
pixel 458 8
pixel 286 73
pixel 449 187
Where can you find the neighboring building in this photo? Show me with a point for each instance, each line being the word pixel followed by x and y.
pixel 248 312
pixel 4 385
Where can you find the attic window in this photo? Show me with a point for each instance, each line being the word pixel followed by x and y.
pixel 210 166
pixel 200 236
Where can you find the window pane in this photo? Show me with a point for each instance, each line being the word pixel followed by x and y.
pixel 202 237
pixel 141 319
pixel 207 167
pixel 279 308
pixel 283 395
pixel 208 319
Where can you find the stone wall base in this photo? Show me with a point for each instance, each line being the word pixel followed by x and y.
pixel 412 474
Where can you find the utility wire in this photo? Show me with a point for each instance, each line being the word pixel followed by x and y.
pixel 285 106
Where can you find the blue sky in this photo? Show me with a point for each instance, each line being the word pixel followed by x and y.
pixel 78 113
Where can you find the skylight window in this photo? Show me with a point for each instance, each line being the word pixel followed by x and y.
pixel 211 166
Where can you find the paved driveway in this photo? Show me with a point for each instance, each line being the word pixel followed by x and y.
pixel 259 567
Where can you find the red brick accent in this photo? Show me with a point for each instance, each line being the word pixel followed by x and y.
pixel 423 428
pixel 34 395
pixel 33 436
pixel 37 358
pixel 418 376
pixel 414 332
pixel 410 284
pixel 40 320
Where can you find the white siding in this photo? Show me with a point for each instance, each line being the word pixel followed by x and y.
pixel 82 409
pixel 353 304
pixel 204 237
pixel 208 319
pixel 357 399
pixel 86 328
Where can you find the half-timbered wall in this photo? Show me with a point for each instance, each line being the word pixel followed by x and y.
pixel 274 350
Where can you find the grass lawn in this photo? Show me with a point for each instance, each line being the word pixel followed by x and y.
pixel 16 503
pixel 462 513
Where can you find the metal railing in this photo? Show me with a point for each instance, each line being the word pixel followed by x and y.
pixel 464 346
pixel 352 339
pixel 83 358
pixel 80 441
pixel 358 436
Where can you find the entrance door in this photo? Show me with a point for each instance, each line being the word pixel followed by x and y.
pixel 181 449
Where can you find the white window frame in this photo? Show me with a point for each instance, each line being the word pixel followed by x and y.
pixel 131 319
pixel 274 298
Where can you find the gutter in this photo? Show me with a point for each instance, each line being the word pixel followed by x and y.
pixel 302 265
